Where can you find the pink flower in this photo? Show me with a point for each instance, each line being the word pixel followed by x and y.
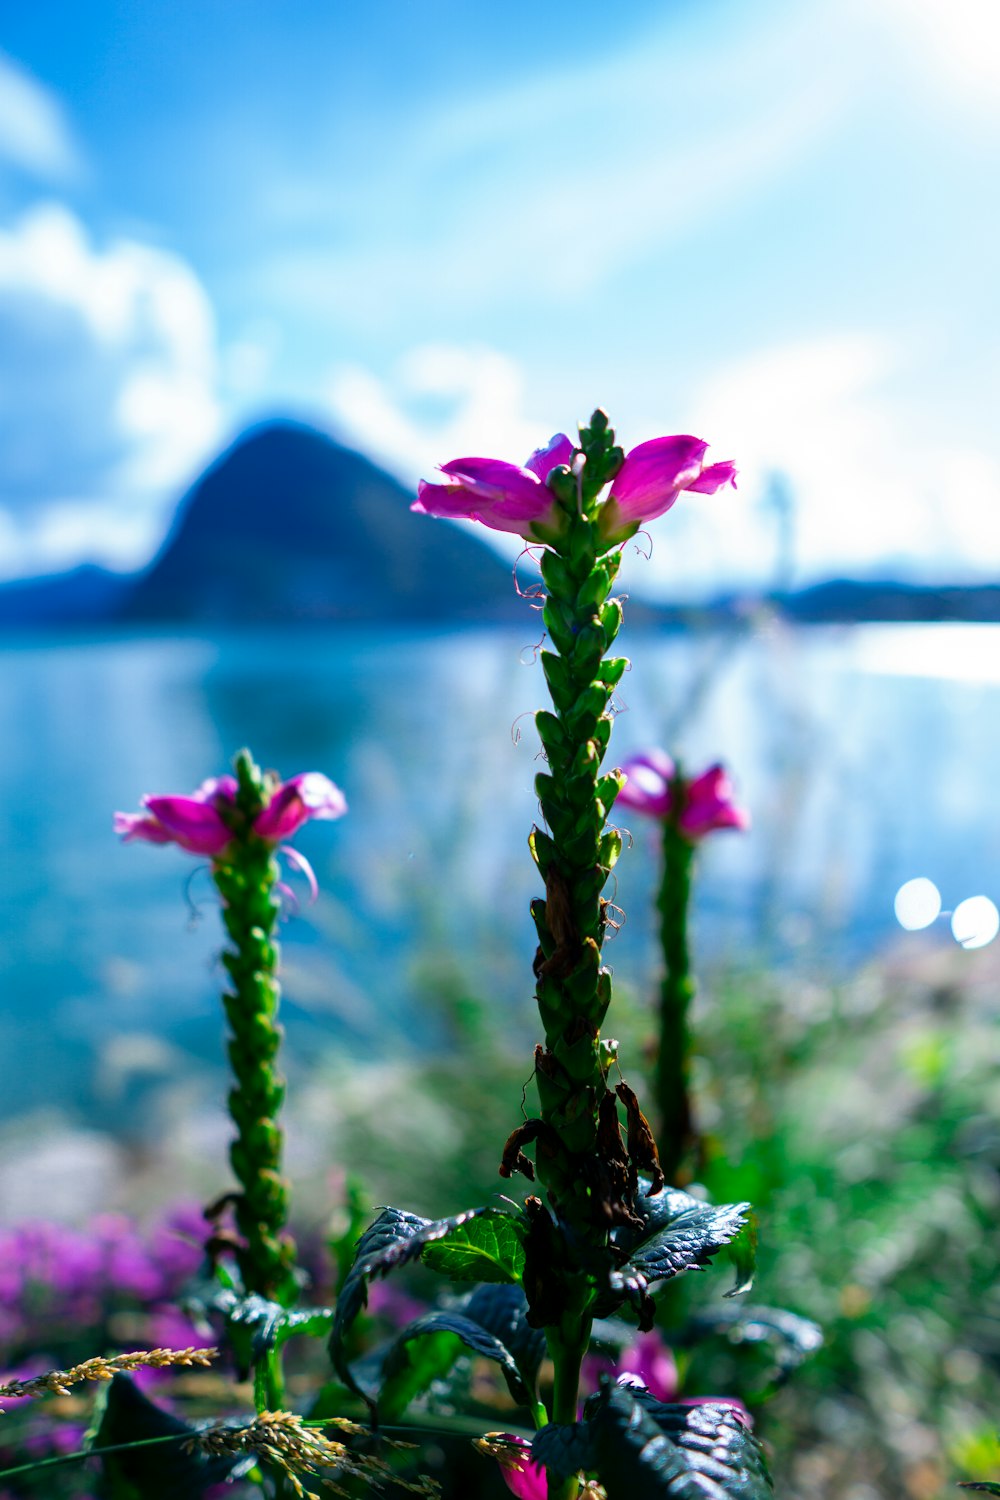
pixel 498 494
pixel 652 477
pixel 311 795
pixel 521 1475
pixel 647 785
pixel 707 801
pixel 650 1359
pixel 201 823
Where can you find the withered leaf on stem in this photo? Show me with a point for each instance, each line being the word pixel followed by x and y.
pixel 641 1141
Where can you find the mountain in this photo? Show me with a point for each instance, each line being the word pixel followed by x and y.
pixel 86 595
pixel 840 600
pixel 288 525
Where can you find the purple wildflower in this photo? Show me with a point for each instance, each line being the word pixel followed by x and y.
pixel 653 476
pixel 202 823
pixel 707 801
pixel 498 494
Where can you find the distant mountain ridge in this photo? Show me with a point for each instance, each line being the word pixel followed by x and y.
pixel 287 525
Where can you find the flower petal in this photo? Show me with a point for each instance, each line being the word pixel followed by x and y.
pixel 713 478
pixel 216 789
pixel 311 795
pixel 709 805
pixel 498 494
pixel 651 1359
pixel 141 826
pixel 521 1475
pixel 559 450
pixel 193 824
pixel 653 475
pixel 647 783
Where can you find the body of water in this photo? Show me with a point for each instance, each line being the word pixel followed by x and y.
pixel 866 756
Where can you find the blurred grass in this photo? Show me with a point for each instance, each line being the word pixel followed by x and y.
pixel 860 1119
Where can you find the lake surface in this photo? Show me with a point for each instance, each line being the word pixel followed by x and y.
pixel 866 755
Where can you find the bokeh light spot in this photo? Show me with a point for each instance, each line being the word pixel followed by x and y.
pixel 917 904
pixel 975 922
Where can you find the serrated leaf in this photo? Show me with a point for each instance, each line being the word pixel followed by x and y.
pixel 789 1337
pixel 409 1370
pixel 499 1311
pixel 417 1358
pixel 490 1248
pixel 640 1446
pixel 160 1472
pixel 742 1252
pixel 564 1449
pixel 394 1238
pixel 503 1311
pixel 678 1233
pixel 257 1325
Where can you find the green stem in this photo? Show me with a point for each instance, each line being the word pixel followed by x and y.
pixel 82 1453
pixel 568 1343
pixel 269 1383
pixel 246 876
pixel 567 1356
pixel 673 1058
pixel 576 855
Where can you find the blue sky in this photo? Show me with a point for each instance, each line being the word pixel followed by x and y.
pixel 444 228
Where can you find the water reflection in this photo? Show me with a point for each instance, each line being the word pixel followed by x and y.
pixel 854 780
pixel 975 922
pixel 917 904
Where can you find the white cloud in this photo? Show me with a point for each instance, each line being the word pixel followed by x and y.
pixel 956 43
pixel 34 133
pixel 107 389
pixel 441 401
pixel 872 489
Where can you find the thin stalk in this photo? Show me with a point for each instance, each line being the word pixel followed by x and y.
pixel 672 1079
pixel 568 1345
pixel 246 876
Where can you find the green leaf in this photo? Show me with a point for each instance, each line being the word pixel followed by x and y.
pixel 678 1233
pixel 611 671
pixel 718 1455
pixel 608 787
pixel 256 1326
pixel 594 589
pixel 550 731
pixel 555 573
pixel 742 1251
pixel 160 1472
pixel 611 619
pixel 789 1338
pixel 564 1449
pixel 409 1370
pixel 642 1447
pixel 543 849
pixel 490 1248
pixel 492 1320
pixel 560 683
pixel 421 1355
pixel 558 621
pixel 503 1311
pixel 987 1486
pixel 395 1238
